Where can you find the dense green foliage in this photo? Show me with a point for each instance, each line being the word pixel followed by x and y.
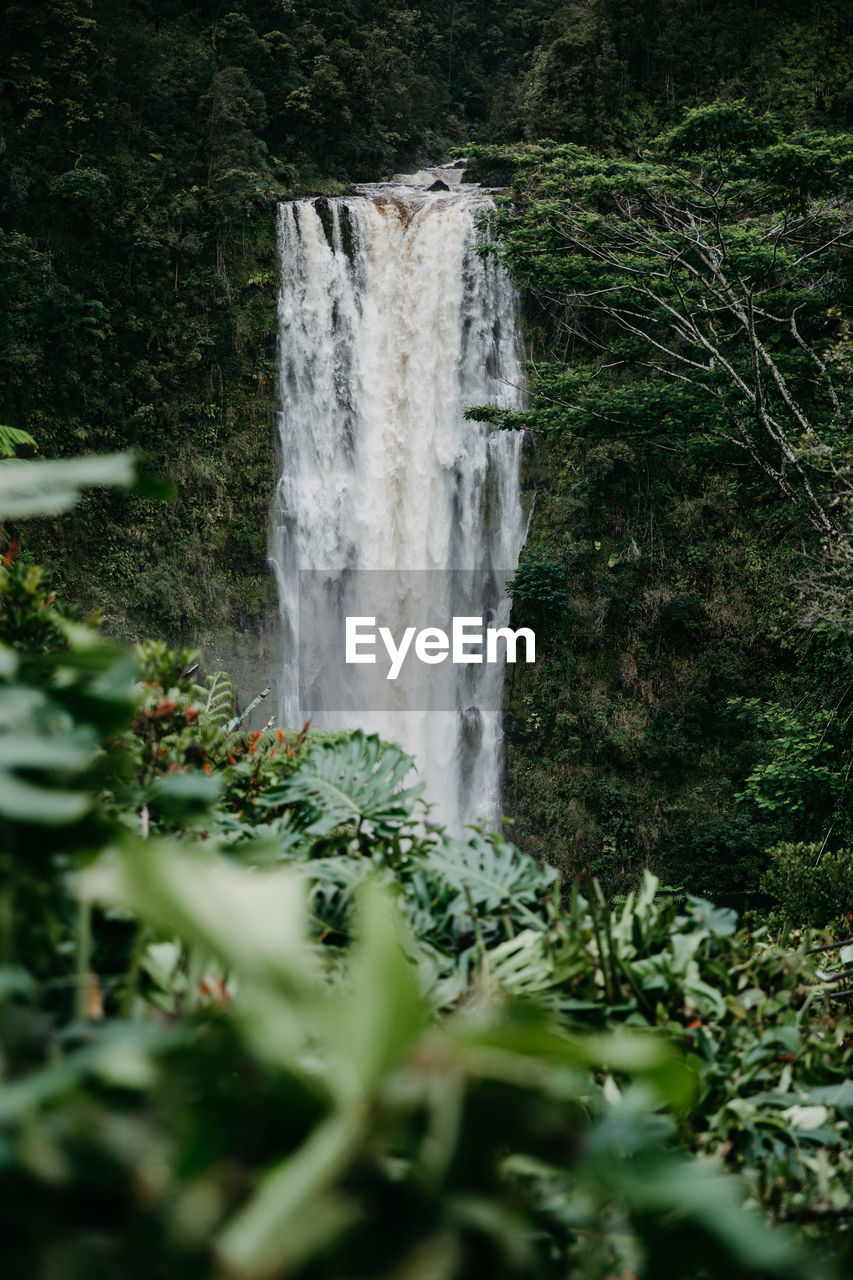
pixel 142 147
pixel 695 286
pixel 810 882
pixel 693 411
pixel 609 72
pixel 258 1016
pixel 288 1029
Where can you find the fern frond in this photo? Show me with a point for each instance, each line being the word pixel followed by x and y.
pixel 217 699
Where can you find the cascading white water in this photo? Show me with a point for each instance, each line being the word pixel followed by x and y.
pixel 391 324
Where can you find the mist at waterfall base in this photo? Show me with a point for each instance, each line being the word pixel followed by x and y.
pixel 391 324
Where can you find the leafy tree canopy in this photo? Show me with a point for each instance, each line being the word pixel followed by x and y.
pixel 695 287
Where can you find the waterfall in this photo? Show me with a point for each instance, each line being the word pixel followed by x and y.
pixel 391 324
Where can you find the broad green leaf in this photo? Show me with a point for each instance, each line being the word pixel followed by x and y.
pixel 8 661
pixel 121 1055
pixel 379 1012
pixel 254 921
pixel 42 806
pixel 806 1117
pixel 698 1198
pixel 15 981
pixel 51 486
pixel 355 779
pixel 297 1209
pixel 521 965
pixel 66 753
pixel 521 1045
pixel 184 794
pixel 490 874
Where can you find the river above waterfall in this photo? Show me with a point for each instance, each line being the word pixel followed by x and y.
pixel 391 324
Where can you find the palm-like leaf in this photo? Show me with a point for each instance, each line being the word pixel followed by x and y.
pixel 357 779
pixel 491 875
pixel 334 883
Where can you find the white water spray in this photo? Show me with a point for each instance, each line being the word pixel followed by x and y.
pixel 391 324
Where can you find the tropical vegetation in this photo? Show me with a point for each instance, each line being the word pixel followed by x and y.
pixel 260 1016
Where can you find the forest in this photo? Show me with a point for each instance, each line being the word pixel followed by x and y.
pixel 261 1015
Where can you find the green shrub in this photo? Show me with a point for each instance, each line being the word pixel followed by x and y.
pixel 811 885
pixel 540 587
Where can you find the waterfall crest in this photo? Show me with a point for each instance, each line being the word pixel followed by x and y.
pixel 391 324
